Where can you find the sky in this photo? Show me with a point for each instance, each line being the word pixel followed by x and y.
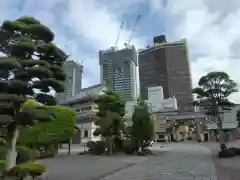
pixel 82 27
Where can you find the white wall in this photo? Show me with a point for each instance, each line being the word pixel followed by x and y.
pixel 157 102
pixel 229 119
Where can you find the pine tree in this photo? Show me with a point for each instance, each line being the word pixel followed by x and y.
pixel 31 66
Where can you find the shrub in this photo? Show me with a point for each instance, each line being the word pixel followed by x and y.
pixel 237 151
pixel 2 153
pixel 97 147
pixel 230 152
pixel 3 142
pixel 90 145
pixel 129 146
pixel 2 164
pixel 23 170
pixel 48 133
pixel 25 154
pixel 32 168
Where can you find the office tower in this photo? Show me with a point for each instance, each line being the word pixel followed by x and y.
pixel 73 82
pixel 166 64
pixel 118 71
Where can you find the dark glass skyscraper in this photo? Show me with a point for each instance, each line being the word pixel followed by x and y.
pixel 166 64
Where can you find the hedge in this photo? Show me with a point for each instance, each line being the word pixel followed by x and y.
pixel 61 129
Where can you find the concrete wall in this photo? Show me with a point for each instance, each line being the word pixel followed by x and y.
pixel 229 119
pixel 90 127
pixel 159 124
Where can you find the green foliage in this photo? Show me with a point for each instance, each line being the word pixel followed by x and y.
pixel 47 133
pixel 23 170
pixel 3 142
pixel 96 147
pixel 2 165
pixel 2 153
pixel 130 146
pixel 46 99
pixel 25 154
pixel 143 126
pixel 213 92
pixel 111 110
pixel 30 63
pixel 33 168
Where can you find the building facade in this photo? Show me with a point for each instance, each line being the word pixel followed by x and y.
pixel 166 64
pixel 118 71
pixel 73 82
pixel 229 123
pixel 85 111
pixel 157 101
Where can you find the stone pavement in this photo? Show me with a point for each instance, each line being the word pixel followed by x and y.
pixel 176 161
pixel 227 168
pixel 183 161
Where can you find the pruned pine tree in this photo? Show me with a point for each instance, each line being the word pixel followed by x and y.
pixel 31 66
pixel 143 125
pixel 111 109
pixel 212 95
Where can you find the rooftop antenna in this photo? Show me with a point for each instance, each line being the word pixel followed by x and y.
pixel 119 32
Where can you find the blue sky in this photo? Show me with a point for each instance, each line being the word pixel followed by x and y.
pixel 82 27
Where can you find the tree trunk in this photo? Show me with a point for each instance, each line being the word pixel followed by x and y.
pixel 141 145
pixel 11 152
pixel 110 145
pixel 221 136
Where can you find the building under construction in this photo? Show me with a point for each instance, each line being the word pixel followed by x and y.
pixel 118 71
pixel 118 67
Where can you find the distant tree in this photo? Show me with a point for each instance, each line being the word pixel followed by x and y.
pixel 110 115
pixel 143 126
pixel 212 94
pixel 32 63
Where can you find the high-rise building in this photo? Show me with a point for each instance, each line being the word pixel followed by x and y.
pixel 73 82
pixel 118 71
pixel 166 64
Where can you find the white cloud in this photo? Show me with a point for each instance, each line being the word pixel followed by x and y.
pixel 211 27
pixel 95 26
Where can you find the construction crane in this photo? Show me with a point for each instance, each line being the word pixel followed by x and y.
pixel 133 30
pixel 116 42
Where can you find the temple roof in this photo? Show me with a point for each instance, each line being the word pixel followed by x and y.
pixel 85 95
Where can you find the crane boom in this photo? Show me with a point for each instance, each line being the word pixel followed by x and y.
pixel 133 29
pixel 116 42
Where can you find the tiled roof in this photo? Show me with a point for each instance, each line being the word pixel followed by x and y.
pixel 85 119
pixel 84 94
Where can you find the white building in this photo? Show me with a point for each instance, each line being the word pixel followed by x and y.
pixel 85 111
pixel 158 103
pixel 229 119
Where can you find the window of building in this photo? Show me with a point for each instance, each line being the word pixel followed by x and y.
pixel 85 134
pixel 77 110
pixel 87 108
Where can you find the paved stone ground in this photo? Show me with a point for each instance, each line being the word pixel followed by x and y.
pixel 76 167
pixel 177 161
pixel 228 168
pixel 183 161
